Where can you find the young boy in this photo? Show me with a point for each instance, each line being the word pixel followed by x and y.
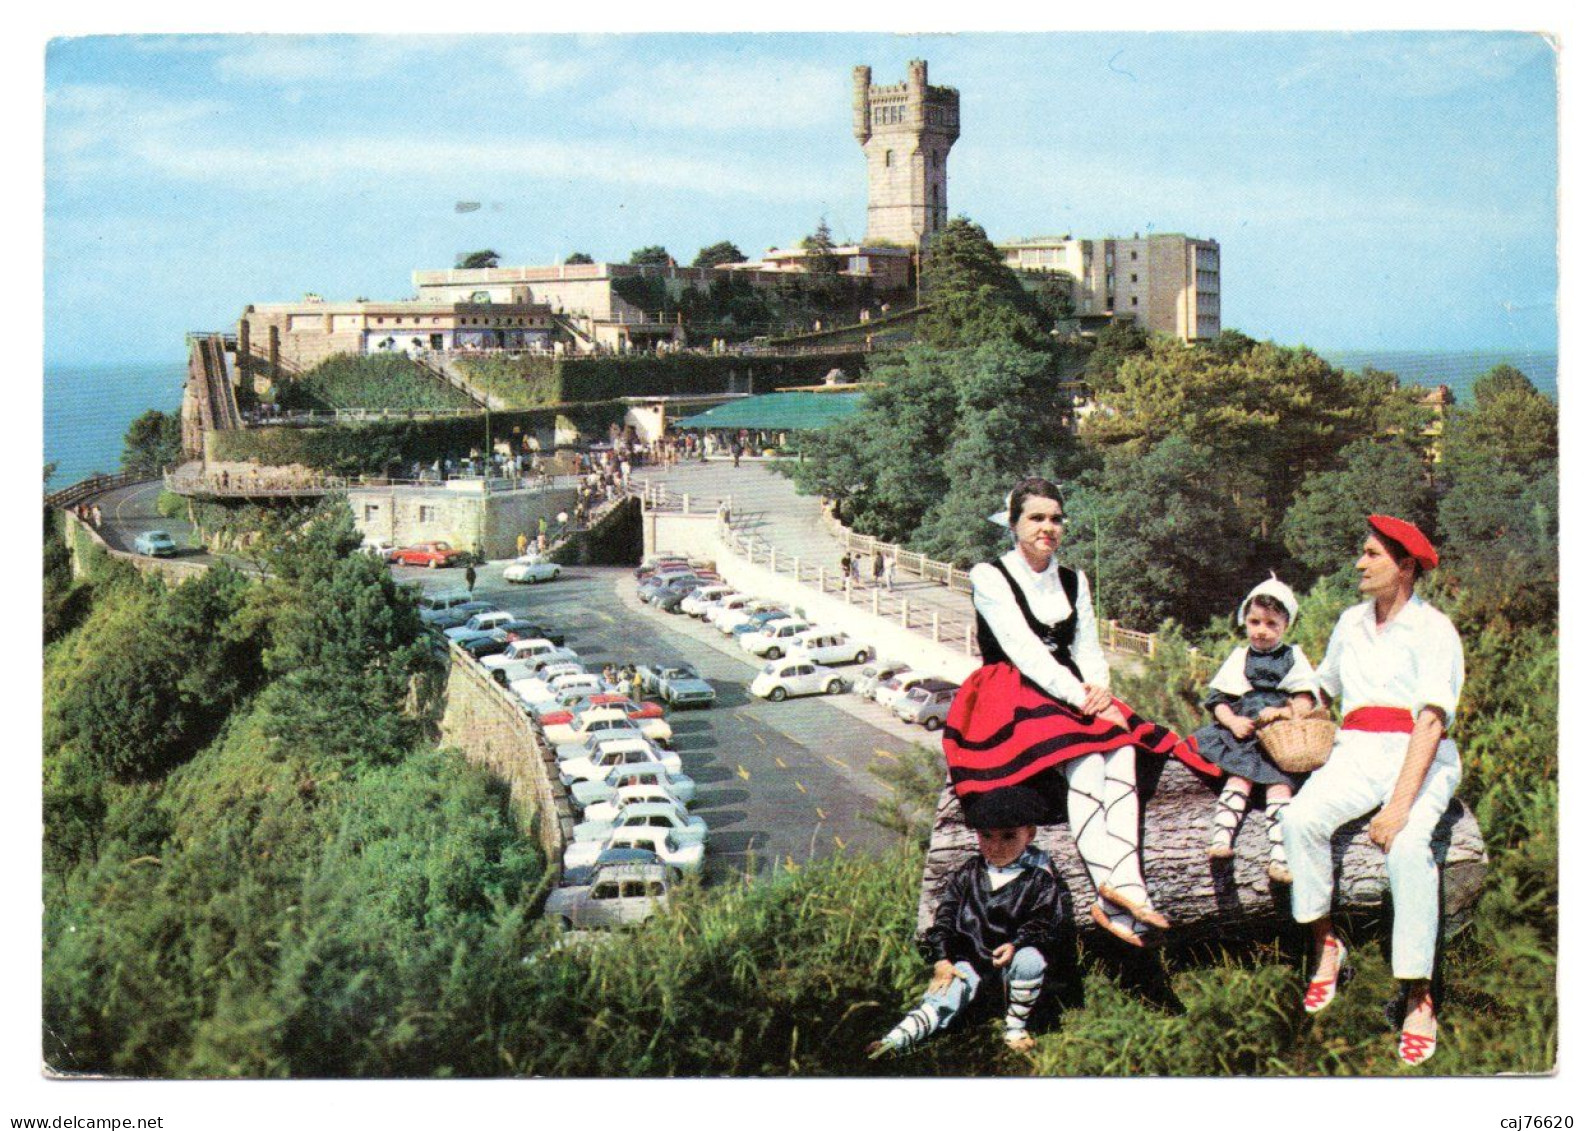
pixel 998 916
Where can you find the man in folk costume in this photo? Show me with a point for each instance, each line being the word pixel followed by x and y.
pixel 1397 664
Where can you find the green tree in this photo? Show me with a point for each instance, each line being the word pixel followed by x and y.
pixel 579 257
pixel 153 442
pixel 718 253
pixel 821 259
pixel 1117 341
pixel 1325 524
pixel 472 260
pixel 1158 539
pixel 653 255
pixel 974 296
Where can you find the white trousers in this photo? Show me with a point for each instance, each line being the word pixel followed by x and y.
pixel 1358 778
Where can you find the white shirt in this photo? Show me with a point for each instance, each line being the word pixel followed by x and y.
pixel 1413 661
pixel 1231 680
pixel 1043 591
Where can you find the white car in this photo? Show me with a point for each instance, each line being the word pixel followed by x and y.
pixel 829 646
pixel 541 652
pixel 696 602
pixel 541 688
pixel 606 812
pixel 666 814
pixel 875 674
pixel 619 895
pixel 584 728
pixel 506 671
pixel 480 622
pixel 597 791
pixel 654 728
pixel 662 842
pixel 771 640
pixel 728 621
pixel 782 678
pixel 726 606
pixel 604 756
pixel 891 691
pixel 531 570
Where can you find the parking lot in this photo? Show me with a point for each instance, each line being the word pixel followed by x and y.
pixel 779 783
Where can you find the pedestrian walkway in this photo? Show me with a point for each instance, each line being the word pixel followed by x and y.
pixel 767 510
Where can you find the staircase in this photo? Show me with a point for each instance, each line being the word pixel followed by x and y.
pixel 442 368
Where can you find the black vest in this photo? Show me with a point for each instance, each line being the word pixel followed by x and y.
pixel 1058 637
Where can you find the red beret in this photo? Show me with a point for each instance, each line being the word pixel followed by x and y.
pixel 1409 537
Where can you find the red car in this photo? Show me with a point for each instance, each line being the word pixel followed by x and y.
pixel 635 711
pixel 431 554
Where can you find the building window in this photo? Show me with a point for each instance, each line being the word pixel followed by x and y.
pixel 1134 254
pixel 1135 278
pixel 1135 300
pixel 888 159
pixel 370 512
pixel 426 514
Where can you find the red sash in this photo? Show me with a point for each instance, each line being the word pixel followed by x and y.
pixel 1380 720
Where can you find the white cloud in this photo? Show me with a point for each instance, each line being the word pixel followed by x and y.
pixel 89 125
pixel 544 65
pixel 752 93
pixel 289 60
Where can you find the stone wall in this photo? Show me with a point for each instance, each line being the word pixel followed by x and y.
pixel 491 728
pixel 463 514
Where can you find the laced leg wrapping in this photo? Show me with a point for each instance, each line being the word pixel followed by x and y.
pixel 1022 993
pixel 1273 814
pixel 920 1022
pixel 1230 809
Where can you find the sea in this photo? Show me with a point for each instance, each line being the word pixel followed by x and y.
pixel 87 408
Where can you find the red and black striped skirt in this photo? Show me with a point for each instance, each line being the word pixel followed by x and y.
pixel 1003 730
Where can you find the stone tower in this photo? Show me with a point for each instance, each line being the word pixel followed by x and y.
pixel 906 132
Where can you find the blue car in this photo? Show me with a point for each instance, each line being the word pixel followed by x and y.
pixel 155 544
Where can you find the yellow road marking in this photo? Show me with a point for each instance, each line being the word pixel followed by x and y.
pixel 800 787
pixel 820 811
pixel 741 772
pixel 839 842
pixel 837 761
pixel 606 617
pixel 760 737
pixel 884 753
pixel 780 763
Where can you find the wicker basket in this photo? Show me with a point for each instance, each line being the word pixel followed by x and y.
pixel 1299 745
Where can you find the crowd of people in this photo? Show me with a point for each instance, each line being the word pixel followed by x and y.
pixel 1036 736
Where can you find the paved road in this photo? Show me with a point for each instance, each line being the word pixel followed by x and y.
pixel 129 511
pixel 778 782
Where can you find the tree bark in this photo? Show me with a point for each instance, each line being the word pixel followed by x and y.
pixel 1202 901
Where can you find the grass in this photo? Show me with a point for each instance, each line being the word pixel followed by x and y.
pixel 377 382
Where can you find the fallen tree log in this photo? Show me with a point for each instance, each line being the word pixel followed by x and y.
pixel 1201 900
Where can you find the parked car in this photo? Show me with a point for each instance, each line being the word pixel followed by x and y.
pixel 430 554
pixel 481 622
pixel 617 895
pixel 506 671
pixel 685 858
pixel 432 605
pixel 693 604
pixel 595 791
pixel 553 682
pixel 678 684
pixel 891 691
pixel 608 810
pixel 669 599
pixel 655 562
pixel 873 675
pixel 574 739
pixel 927 703
pixel 459 614
pixel 661 814
pixel 541 652
pixel 728 620
pixel 630 750
pixel 829 646
pixel 530 571
pixel 733 603
pixel 613 699
pixel 757 621
pixel 154 544
pixel 489 644
pixel 771 640
pixel 570 727
pixel 782 678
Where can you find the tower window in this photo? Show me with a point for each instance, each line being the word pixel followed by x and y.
pixel 888 159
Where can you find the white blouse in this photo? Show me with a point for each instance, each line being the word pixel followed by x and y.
pixel 994 601
pixel 1231 680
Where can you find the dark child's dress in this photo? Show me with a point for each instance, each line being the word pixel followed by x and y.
pixel 1249 682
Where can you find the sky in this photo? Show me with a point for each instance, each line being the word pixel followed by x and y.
pixel 1372 190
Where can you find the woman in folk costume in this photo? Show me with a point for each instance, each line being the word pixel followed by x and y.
pixel 1040 711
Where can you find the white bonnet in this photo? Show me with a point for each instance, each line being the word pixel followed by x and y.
pixel 1271 587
